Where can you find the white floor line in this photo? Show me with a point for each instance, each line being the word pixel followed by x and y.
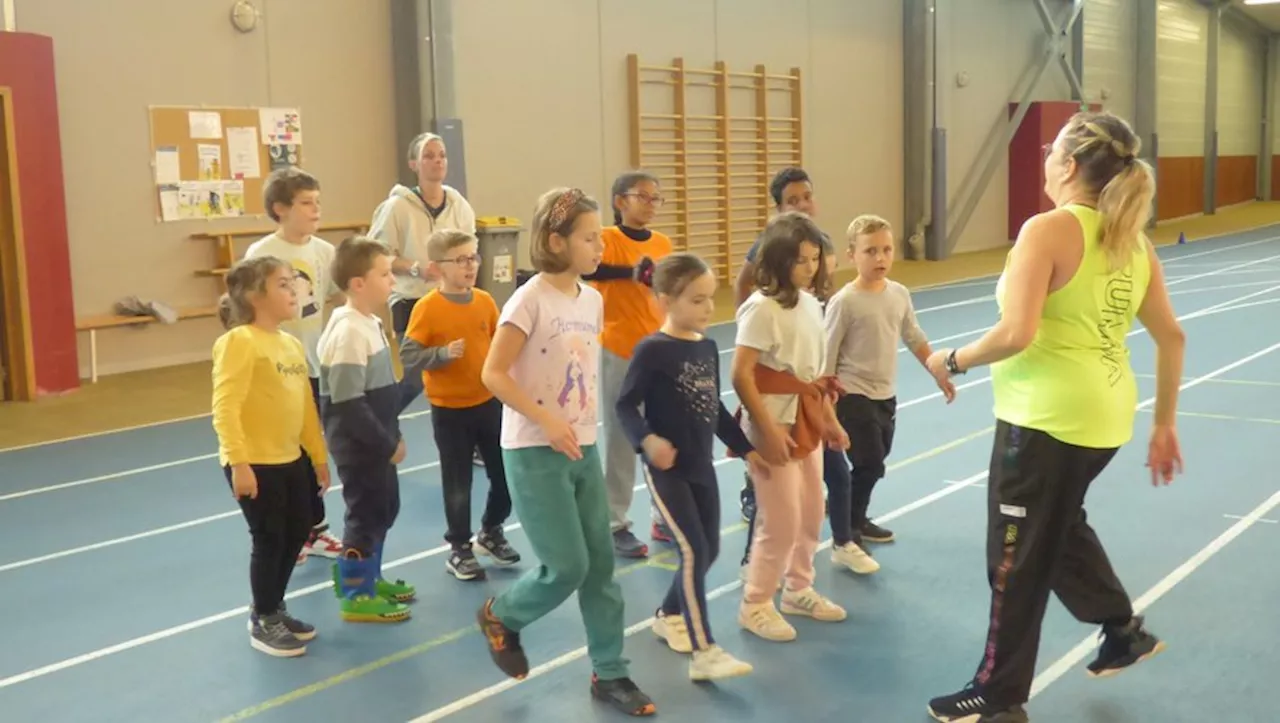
pixel 1260 519
pixel 559 662
pixel 1066 663
pixel 1077 654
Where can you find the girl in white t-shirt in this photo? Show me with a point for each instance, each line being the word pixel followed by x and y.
pixel 544 366
pixel 777 367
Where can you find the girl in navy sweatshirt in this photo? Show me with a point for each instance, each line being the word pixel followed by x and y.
pixel 675 376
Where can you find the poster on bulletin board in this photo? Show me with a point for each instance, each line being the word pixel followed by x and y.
pixel 211 163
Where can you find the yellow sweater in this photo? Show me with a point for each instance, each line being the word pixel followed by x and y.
pixel 263 410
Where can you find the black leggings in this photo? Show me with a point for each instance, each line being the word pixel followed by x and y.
pixel 691 509
pixel 279 522
pixel 1039 543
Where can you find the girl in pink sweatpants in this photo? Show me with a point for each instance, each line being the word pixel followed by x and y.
pixel 778 359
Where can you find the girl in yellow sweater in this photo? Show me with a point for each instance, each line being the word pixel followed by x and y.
pixel 268 428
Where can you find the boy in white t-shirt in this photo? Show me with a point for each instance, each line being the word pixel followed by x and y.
pixel 291 197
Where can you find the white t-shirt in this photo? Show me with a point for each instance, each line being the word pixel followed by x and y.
pixel 789 340
pixel 312 282
pixel 559 366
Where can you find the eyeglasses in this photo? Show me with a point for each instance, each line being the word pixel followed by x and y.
pixel 646 198
pixel 462 260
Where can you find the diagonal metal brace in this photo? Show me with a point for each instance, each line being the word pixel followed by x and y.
pixel 1059 39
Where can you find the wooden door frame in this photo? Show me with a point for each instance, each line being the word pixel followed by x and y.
pixel 20 382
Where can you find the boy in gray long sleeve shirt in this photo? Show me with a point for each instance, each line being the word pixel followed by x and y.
pixel 864 321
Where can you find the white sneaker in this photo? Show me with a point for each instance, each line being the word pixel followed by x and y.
pixel 672 629
pixel 855 558
pixel 764 620
pixel 716 664
pixel 809 603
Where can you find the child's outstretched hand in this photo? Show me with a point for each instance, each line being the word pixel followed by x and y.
pixel 561 437
pixel 400 453
pixel 322 478
pixel 244 483
pixel 456 348
pixel 660 452
pixel 757 466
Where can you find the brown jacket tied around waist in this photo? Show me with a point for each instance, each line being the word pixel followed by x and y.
pixel 810 429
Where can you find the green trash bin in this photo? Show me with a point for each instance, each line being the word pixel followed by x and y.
pixel 499 245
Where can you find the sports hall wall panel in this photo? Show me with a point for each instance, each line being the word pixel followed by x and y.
pixel 1182 28
pixel 1241 60
pixel 1110 55
pixel 114 59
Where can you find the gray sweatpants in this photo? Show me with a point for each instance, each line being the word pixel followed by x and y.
pixel 620 457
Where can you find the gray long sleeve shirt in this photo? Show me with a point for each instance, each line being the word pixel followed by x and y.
pixel 863 328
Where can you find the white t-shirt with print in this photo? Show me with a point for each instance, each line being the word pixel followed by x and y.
pixel 312 282
pixel 559 366
pixel 789 340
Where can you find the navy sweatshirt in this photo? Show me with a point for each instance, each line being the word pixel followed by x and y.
pixel 359 396
pixel 678 383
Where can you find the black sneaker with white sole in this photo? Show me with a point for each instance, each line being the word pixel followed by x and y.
pixel 1122 647
pixel 463 564
pixel 971 706
pixel 493 543
pixel 268 634
pixel 304 632
pixel 871 532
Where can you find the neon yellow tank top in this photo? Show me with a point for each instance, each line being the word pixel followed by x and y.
pixel 1074 382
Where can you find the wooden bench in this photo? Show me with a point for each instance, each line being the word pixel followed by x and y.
pixel 94 324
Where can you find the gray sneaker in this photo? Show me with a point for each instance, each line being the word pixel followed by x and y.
pixel 463 564
pixel 270 635
pixel 626 544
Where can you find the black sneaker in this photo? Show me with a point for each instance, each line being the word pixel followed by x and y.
pixel 503 642
pixel 1123 647
pixel 626 544
pixel 623 695
pixel 871 532
pixel 302 631
pixel 268 634
pixel 463 564
pixel 493 543
pixel 970 706
pixel 747 499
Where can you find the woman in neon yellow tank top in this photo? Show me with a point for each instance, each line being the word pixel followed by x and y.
pixel 1065 400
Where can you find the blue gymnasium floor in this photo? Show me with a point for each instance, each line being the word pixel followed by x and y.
pixel 124 568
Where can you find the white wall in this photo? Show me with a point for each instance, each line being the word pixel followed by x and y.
pixel 1181 63
pixel 1241 55
pixel 1110 55
pixel 542 88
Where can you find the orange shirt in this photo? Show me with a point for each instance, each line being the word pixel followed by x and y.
pixel 438 321
pixel 631 310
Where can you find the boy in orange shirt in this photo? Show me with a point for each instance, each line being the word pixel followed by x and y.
pixel 447 340
pixel 631 313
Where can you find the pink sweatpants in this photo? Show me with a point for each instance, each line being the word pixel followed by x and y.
pixel 788 521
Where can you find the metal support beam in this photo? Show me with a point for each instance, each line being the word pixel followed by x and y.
pixel 1214 37
pixel 423 79
pixel 1144 102
pixel 1058 43
pixel 1077 57
pixel 918 85
pixel 1270 76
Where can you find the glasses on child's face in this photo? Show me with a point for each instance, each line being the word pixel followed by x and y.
pixel 464 260
pixel 655 201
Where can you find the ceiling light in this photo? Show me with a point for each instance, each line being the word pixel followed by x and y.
pixel 1261 2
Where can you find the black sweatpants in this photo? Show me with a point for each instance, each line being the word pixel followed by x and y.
pixel 458 432
pixel 371 490
pixel 1038 541
pixel 279 522
pixel 318 524
pixel 870 425
pixel 691 510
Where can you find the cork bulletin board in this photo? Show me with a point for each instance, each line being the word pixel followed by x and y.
pixel 210 163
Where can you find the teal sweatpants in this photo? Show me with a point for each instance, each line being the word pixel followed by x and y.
pixel 564 509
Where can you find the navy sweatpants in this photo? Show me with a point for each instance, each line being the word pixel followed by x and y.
pixel 690 506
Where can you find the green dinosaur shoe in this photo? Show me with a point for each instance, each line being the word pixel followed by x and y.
pixel 365 609
pixel 398 591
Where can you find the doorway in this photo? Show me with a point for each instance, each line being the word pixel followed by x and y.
pixel 17 370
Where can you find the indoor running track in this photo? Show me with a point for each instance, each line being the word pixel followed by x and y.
pixel 124 567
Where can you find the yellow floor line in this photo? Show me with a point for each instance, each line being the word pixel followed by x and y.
pixel 664 560
pixel 1225 417
pixel 1245 382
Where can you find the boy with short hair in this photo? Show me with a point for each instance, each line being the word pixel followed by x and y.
pixel 864 321
pixel 360 407
pixel 291 197
pixel 446 340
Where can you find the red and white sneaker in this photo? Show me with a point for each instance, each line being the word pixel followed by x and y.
pixel 322 544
